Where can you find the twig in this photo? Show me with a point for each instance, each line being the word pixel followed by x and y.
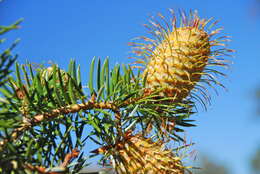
pixel 74 154
pixel 62 167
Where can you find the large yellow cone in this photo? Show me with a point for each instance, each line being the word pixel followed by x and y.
pixel 178 57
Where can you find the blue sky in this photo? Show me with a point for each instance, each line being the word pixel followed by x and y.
pixel 64 29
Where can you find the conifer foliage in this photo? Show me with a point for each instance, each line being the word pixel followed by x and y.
pixel 132 112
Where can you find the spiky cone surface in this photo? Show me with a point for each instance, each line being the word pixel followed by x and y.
pixel 178 57
pixel 139 155
pixel 178 61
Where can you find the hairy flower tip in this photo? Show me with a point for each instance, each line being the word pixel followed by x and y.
pixel 139 155
pixel 181 55
pixel 47 75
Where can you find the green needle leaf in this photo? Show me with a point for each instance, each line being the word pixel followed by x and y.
pixel 98 74
pixel 18 75
pixel 107 77
pixel 91 76
pixel 71 92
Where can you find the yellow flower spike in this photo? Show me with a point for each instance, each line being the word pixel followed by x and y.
pixel 179 56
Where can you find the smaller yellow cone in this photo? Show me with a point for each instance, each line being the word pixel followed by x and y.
pixel 139 155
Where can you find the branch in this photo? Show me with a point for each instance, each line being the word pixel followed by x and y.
pixel 28 123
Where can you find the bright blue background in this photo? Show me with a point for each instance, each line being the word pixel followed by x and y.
pixel 59 30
